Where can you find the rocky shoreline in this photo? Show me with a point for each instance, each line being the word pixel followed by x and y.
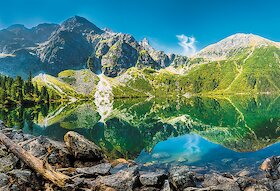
pixel 89 169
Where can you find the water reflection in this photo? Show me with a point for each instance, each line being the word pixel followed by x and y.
pixel 195 128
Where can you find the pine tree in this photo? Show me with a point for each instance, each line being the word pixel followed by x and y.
pixel 90 63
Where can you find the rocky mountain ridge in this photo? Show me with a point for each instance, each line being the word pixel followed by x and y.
pixel 75 44
pixel 233 45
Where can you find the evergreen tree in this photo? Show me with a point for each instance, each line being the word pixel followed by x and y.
pixel 18 90
pixel 90 63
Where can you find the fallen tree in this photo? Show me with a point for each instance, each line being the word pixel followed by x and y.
pixel 41 167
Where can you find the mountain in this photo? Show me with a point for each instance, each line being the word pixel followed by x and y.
pixel 18 36
pixel 239 64
pixel 159 56
pixel 233 46
pixel 242 63
pixel 249 65
pixel 75 44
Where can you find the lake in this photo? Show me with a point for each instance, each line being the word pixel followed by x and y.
pixel 214 133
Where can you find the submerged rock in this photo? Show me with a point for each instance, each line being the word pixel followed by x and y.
pixel 81 147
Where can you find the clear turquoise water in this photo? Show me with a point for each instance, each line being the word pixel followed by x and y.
pixel 225 134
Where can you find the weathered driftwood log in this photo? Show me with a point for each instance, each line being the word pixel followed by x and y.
pixel 41 167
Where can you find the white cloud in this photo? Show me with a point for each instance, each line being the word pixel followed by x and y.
pixel 188 44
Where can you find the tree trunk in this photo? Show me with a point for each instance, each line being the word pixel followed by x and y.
pixel 44 169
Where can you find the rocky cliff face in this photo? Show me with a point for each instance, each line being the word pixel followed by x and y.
pixel 76 44
pixel 160 57
pixel 18 36
pixel 69 46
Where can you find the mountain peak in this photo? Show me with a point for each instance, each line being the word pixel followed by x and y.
pixel 246 40
pixel 80 24
pixel 17 27
pixel 146 45
pixel 232 44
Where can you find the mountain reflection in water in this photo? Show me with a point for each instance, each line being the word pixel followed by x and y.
pixel 221 132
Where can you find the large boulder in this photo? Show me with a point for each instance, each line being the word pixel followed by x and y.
pixel 152 179
pixel 276 185
pixel 220 182
pixel 81 147
pixel 181 177
pixel 272 167
pixel 123 180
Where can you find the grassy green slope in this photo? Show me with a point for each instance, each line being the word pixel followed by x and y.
pixel 54 84
pixel 252 71
pixel 133 83
pixel 82 81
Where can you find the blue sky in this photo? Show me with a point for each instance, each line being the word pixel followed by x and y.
pixel 163 22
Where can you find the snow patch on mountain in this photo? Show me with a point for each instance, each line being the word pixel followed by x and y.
pixel 4 55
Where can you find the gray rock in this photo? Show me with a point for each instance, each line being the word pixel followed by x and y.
pixel 21 176
pixel 220 182
pixel 199 189
pixel 28 136
pixel 8 163
pixel 147 189
pixel 152 179
pixel 123 180
pixel 14 187
pixel 276 185
pixel 119 58
pixel 81 147
pixel 272 167
pixel 181 177
pixel 245 182
pixel 3 151
pixel 59 153
pixel 166 186
pixel 36 147
pixel 118 167
pixel 257 187
pixel 101 169
pixel 18 137
pixel 4 179
pixel 229 186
